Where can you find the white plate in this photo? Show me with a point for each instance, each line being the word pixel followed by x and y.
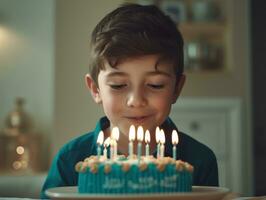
pixel 198 192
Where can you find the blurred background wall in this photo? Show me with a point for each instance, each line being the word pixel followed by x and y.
pixel 27 60
pixel 75 112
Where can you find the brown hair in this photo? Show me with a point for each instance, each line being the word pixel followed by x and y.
pixel 134 30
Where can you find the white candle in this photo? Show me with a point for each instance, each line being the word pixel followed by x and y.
pixel 111 148
pixel 147 141
pixel 105 145
pixel 157 138
pixel 99 143
pixel 140 133
pixel 162 141
pixel 175 140
pixel 132 135
pixel 115 137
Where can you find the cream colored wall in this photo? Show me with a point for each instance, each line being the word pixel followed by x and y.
pixel 27 60
pixel 234 81
pixel 75 112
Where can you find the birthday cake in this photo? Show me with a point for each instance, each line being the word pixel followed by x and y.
pixel 135 175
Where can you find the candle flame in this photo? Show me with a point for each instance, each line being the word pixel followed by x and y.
pixel 157 134
pixel 115 134
pixel 162 137
pixel 175 138
pixel 132 133
pixel 140 133
pixel 107 142
pixel 100 138
pixel 147 136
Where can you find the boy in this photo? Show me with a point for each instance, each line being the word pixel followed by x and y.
pixel 136 74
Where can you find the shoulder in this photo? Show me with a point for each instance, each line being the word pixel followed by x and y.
pixel 190 149
pixel 195 150
pixel 78 147
pixel 202 158
pixel 62 171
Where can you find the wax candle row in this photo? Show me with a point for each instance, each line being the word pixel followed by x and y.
pixel 112 141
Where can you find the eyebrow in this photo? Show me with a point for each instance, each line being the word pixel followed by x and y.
pixel 158 72
pixel 112 74
pixel 151 73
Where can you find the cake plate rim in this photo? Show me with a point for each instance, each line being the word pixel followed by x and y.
pixel 206 192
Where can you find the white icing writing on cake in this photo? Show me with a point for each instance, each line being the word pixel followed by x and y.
pixel 169 181
pixel 143 183
pixel 113 183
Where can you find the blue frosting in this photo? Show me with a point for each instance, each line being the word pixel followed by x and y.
pixel 150 180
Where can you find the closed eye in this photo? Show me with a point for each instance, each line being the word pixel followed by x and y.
pixel 156 86
pixel 117 86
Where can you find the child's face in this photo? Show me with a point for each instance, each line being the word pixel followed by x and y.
pixel 134 92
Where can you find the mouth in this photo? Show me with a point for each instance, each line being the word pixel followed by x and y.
pixel 137 119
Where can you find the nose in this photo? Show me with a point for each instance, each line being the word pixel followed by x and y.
pixel 136 98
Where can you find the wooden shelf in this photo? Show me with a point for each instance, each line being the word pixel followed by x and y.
pixel 202 29
pixel 214 71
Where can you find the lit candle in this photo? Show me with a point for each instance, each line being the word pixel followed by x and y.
pixel 140 133
pixel 115 137
pixel 132 135
pixel 105 145
pixel 175 141
pixel 99 143
pixel 111 148
pixel 162 141
pixel 157 138
pixel 147 141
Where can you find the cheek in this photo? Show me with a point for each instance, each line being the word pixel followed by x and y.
pixel 163 104
pixel 112 104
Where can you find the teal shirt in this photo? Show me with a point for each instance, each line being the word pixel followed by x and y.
pixel 62 171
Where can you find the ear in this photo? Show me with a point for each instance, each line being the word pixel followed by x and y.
pixel 178 88
pixel 92 86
